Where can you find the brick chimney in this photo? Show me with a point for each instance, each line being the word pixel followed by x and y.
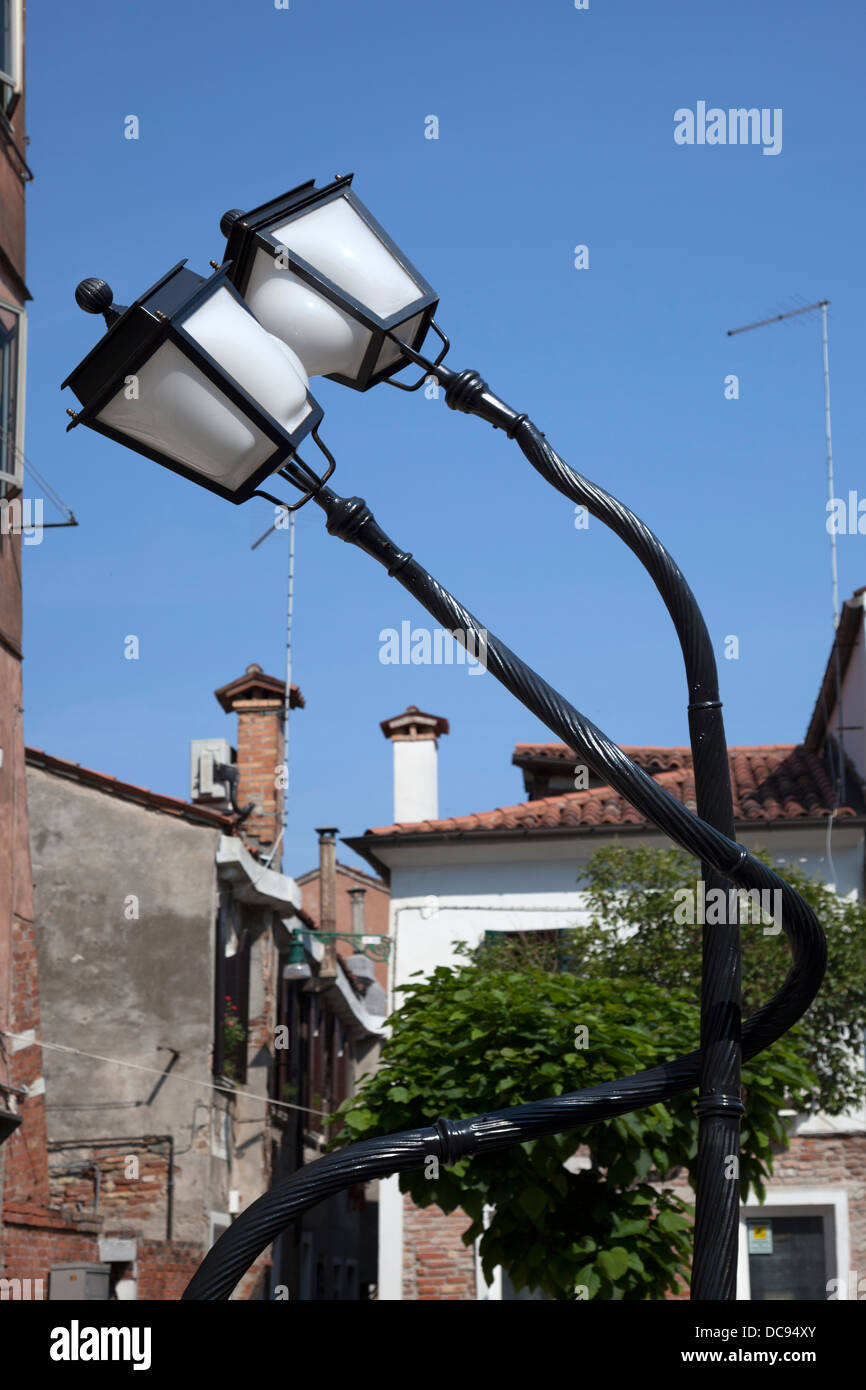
pixel 258 700
pixel 415 735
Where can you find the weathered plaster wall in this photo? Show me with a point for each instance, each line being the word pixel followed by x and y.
pixel 129 987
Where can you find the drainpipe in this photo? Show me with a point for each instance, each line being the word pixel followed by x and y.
pixel 328 897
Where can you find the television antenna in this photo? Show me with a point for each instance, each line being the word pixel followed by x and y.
pixel 821 304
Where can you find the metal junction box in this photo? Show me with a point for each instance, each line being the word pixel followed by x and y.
pixel 79 1282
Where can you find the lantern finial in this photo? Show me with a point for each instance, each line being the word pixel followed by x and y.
pixel 94 296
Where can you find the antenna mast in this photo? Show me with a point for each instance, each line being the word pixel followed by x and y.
pixel 831 492
pixel 777 318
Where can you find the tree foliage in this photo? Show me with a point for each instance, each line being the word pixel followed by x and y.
pixel 634 933
pixel 479 1037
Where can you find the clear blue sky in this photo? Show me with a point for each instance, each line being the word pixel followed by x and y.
pixel 555 129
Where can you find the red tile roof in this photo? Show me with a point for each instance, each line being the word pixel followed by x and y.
pixel 649 757
pixel 772 782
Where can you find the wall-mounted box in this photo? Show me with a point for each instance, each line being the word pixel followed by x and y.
pixel 204 755
pixel 74 1283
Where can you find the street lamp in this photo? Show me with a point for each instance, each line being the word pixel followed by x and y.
pixel 188 377
pixel 297 966
pixel 314 231
pixel 375 946
pixel 318 272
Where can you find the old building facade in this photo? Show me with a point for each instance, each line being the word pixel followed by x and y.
pixel 185 1061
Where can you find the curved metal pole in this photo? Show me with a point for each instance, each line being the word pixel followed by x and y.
pixel 352 521
pixel 719 1108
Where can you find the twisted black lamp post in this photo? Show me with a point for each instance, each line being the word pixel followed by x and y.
pixel 211 379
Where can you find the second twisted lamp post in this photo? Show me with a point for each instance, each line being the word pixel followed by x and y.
pixel 210 378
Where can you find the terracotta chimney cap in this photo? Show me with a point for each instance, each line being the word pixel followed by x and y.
pixel 254 684
pixel 414 724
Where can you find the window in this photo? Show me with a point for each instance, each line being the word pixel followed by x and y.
pixel 11 53
pixel 787 1258
pixel 544 948
pixel 12 334
pixel 792 1247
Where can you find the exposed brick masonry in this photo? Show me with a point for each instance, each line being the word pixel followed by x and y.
pixel 437 1266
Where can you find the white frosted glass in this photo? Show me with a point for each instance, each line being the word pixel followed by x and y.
pixel 336 241
pixel 179 412
pixel 325 338
pixel 390 351
pixel 266 368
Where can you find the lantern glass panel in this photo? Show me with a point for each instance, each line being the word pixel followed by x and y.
pixel 336 241
pixel 176 410
pixel 325 338
pixel 391 353
pixel 264 366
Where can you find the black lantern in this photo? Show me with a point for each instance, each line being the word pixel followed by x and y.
pixel 187 377
pixel 319 272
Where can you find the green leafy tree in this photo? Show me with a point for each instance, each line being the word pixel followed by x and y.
pixel 634 933
pixel 480 1036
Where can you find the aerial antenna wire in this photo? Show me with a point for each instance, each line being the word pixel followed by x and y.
pixel 838 758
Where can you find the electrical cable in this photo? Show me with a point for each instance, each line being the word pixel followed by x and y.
pixel 154 1071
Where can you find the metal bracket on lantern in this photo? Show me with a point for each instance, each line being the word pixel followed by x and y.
pixel 416 357
pixel 302 476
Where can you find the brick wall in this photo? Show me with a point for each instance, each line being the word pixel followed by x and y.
pixel 437 1266
pixel 33 1235
pixel 164 1270
pixel 133 1185
pixel 34 1239
pixel 25 1165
